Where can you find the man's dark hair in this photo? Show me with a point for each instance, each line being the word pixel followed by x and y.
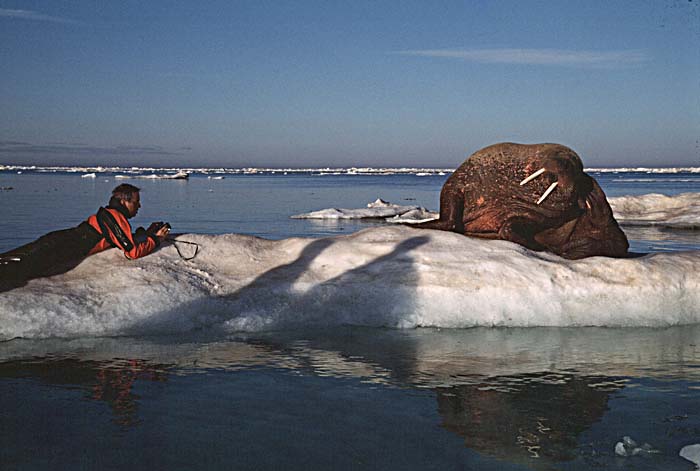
pixel 124 192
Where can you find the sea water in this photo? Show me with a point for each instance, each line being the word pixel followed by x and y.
pixel 346 394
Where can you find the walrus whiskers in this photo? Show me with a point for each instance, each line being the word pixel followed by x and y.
pixel 547 192
pixel 533 176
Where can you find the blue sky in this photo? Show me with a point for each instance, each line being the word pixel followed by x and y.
pixel 343 83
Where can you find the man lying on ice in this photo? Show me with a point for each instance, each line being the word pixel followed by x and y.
pixel 59 251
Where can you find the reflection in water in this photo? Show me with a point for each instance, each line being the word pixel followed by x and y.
pixel 521 396
pixel 533 419
pixel 115 385
pixel 112 382
pixel 654 239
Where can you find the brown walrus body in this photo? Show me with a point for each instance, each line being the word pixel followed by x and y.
pixel 487 197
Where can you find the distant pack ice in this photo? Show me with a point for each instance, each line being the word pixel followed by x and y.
pixel 391 276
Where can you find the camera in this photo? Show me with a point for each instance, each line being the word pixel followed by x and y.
pixel 157 226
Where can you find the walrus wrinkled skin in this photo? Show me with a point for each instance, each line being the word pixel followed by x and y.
pixel 490 196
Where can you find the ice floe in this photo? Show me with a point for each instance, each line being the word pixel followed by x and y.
pixel 629 447
pixel 680 211
pixel 392 276
pixel 378 209
pixel 181 175
pixel 692 454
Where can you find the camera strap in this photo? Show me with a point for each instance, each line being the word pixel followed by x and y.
pixel 175 242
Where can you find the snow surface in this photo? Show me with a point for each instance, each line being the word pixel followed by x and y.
pixel 387 276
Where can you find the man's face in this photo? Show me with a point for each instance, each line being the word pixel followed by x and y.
pixel 133 205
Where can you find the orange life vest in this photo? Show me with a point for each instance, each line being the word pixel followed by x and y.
pixel 116 232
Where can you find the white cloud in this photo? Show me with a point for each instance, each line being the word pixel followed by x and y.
pixel 32 15
pixel 554 57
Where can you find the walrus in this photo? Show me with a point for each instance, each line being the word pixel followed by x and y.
pixel 536 195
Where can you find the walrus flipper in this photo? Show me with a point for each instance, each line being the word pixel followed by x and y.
pixel 451 212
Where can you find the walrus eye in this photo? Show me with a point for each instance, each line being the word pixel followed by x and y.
pixel 547 192
pixel 533 176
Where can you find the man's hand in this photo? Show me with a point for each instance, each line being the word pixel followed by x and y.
pixel 159 229
pixel 163 232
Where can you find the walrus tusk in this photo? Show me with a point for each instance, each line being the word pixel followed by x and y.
pixel 547 192
pixel 533 176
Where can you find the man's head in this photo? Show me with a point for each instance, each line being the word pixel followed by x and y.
pixel 128 196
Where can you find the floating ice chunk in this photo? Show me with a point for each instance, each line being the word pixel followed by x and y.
pixel 379 203
pixel 679 212
pixel 692 454
pixel 181 175
pixel 620 449
pixel 89 175
pixel 378 209
pixel 414 216
pixel 628 447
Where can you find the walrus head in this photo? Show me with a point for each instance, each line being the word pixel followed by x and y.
pixel 580 217
pixel 526 188
pixel 562 169
pixel 537 195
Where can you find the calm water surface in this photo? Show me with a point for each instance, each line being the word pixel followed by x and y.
pixel 346 398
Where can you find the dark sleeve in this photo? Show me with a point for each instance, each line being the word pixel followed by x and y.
pixel 109 225
pixel 119 235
